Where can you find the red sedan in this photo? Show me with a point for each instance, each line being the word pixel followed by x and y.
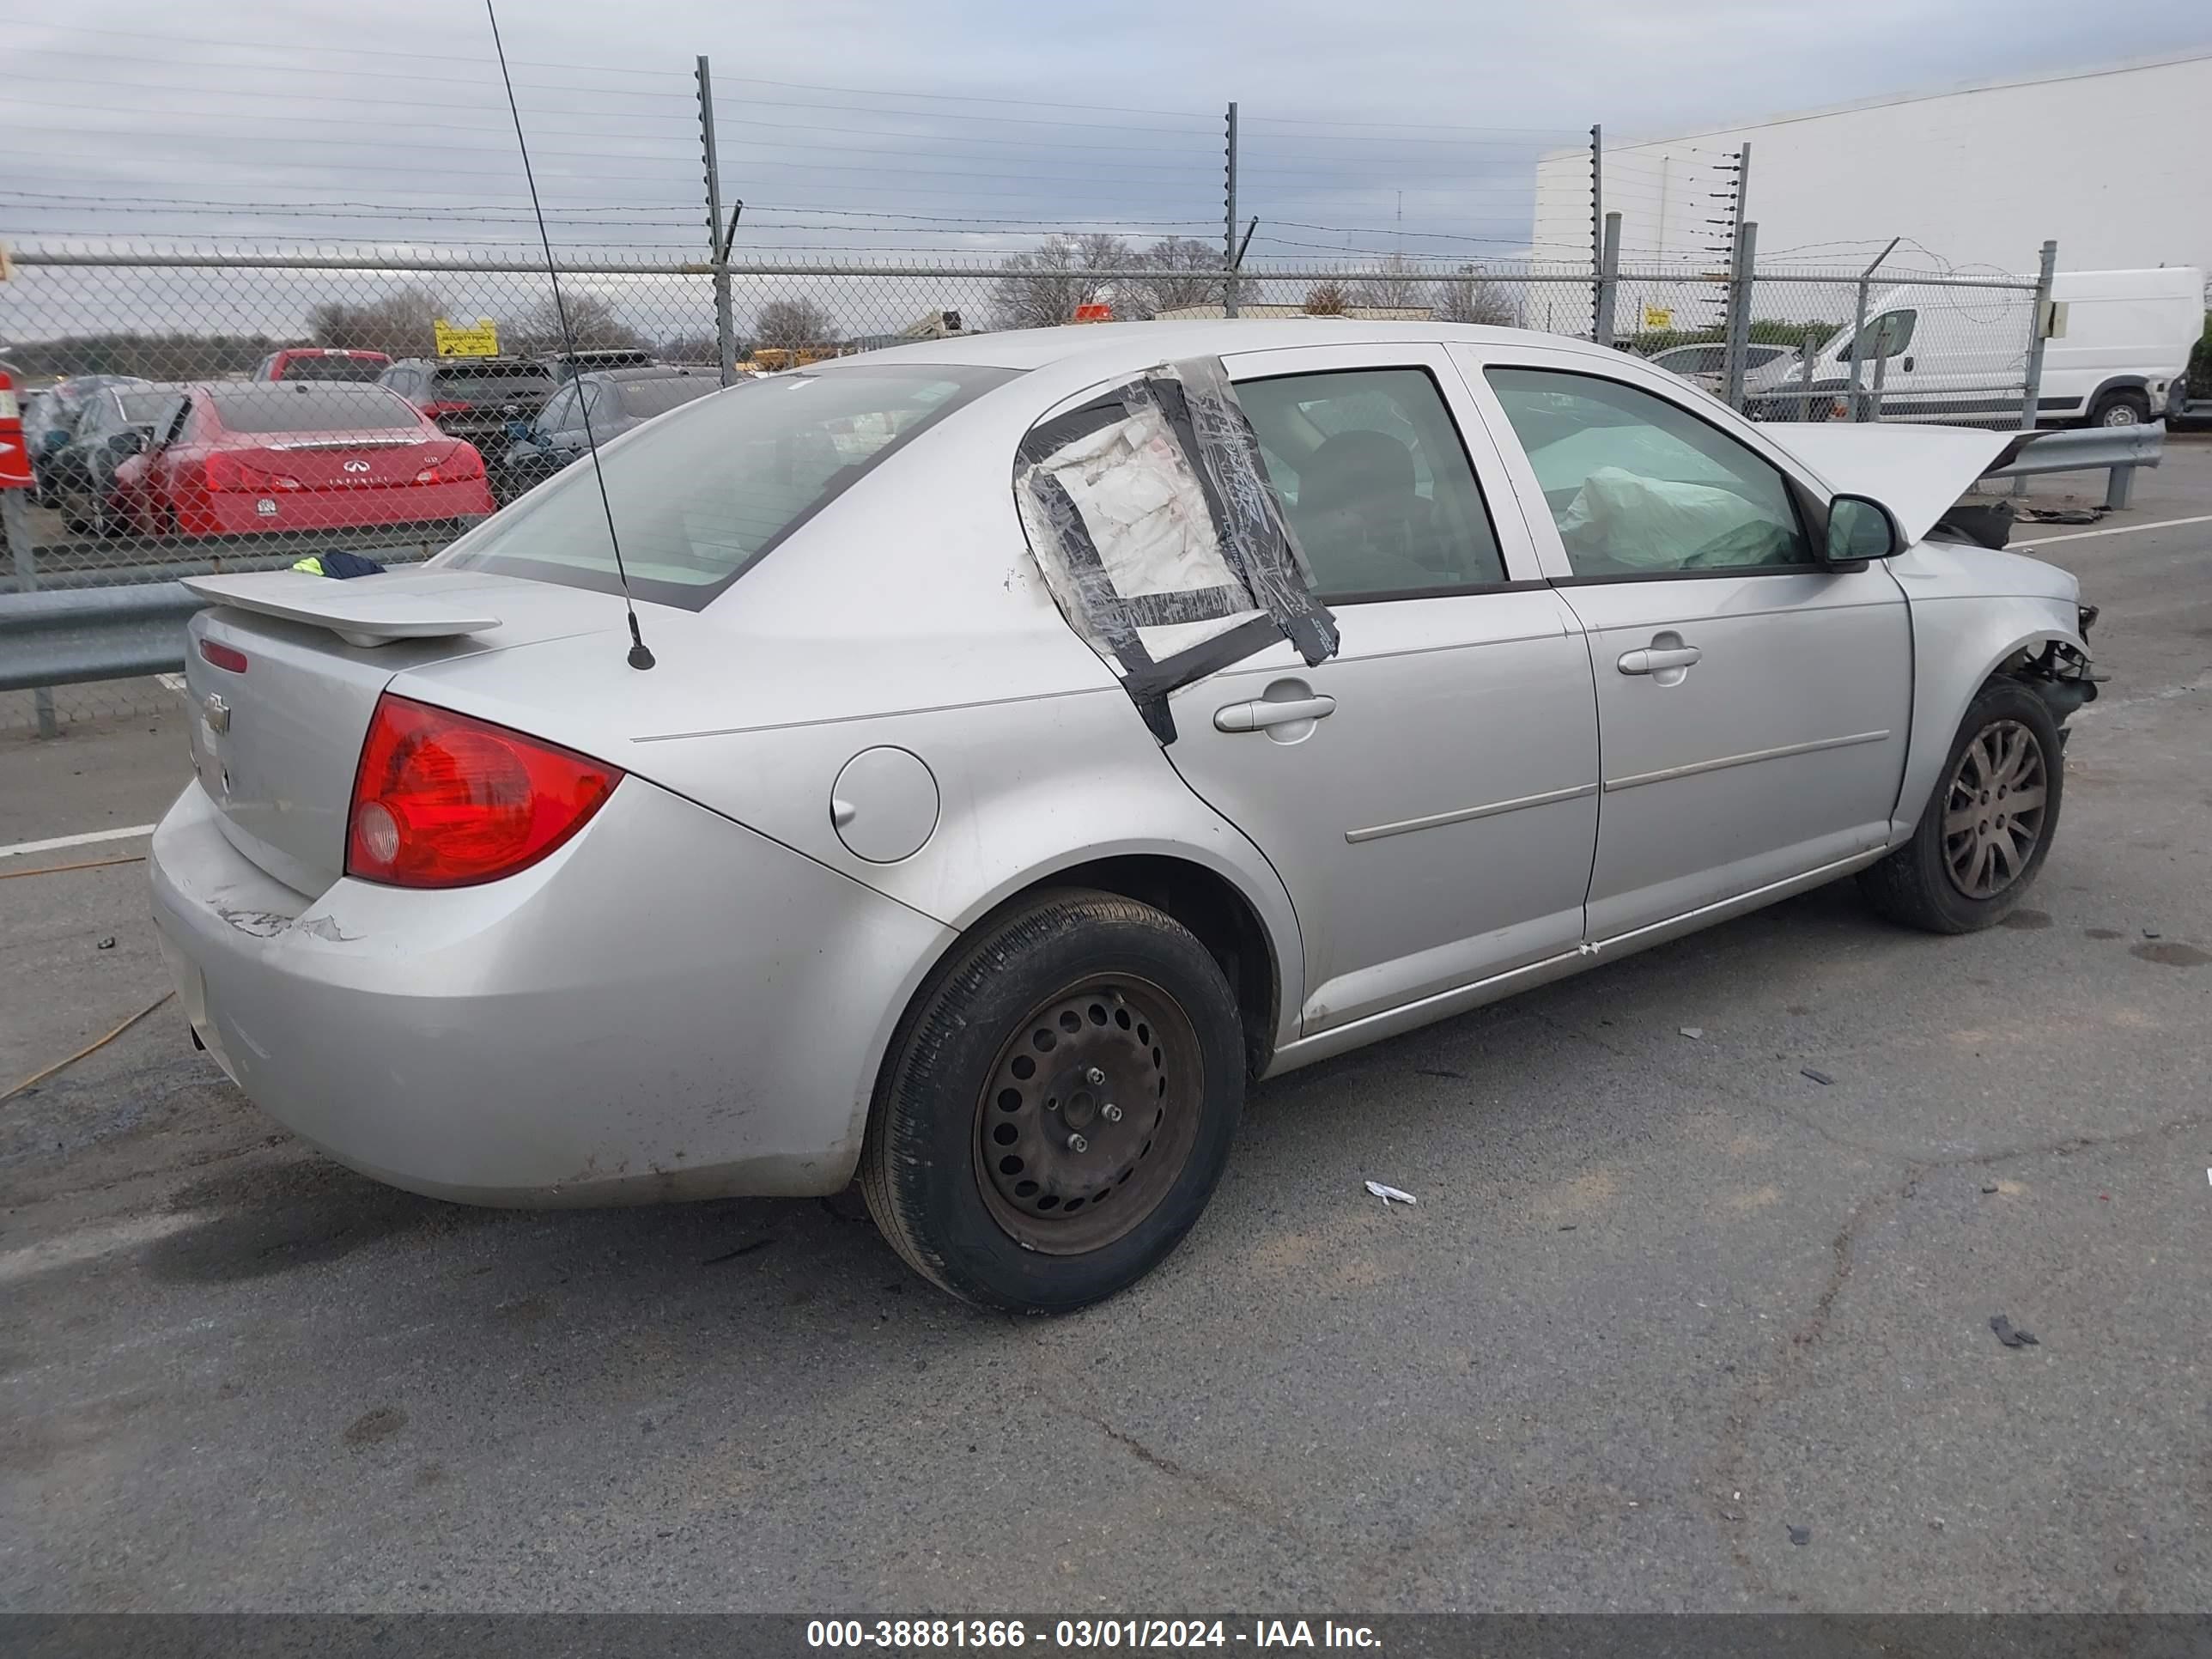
pixel 248 458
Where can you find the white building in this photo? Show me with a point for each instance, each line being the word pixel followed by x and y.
pixel 2109 161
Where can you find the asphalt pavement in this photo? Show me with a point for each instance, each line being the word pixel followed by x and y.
pixel 1664 1299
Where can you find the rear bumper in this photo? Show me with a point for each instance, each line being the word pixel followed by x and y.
pixel 669 1006
pixel 240 513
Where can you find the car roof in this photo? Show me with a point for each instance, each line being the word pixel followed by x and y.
pixel 651 372
pixel 1136 345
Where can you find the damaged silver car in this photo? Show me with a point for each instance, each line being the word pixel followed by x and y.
pixel 1029 740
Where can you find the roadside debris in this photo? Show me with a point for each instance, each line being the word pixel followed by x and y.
pixel 2009 1337
pixel 1987 1190
pixel 2152 933
pixel 1800 1535
pixel 1695 1033
pixel 1817 1077
pixel 1390 1195
pixel 107 943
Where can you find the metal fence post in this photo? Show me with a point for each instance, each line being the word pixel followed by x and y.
pixel 1597 233
pixel 725 326
pixel 1229 234
pixel 1738 313
pixel 1859 322
pixel 2031 381
pixel 1609 280
pixel 26 556
pixel 1810 351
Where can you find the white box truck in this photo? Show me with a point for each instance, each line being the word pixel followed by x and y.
pixel 2116 354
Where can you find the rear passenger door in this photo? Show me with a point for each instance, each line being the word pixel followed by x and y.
pixel 1428 794
pixel 1754 702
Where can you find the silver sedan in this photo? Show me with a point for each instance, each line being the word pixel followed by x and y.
pixel 975 763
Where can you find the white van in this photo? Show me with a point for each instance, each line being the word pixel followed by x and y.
pixel 2116 354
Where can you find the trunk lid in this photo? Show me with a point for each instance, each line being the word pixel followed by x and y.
pixel 1918 472
pixel 276 743
pixel 346 460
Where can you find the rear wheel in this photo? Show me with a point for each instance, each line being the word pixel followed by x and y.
pixel 1986 828
pixel 2121 409
pixel 1058 1106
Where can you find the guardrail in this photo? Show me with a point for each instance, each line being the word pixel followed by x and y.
pixel 2116 451
pixel 66 636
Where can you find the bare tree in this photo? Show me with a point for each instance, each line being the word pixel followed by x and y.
pixel 795 325
pixel 1396 287
pixel 591 319
pixel 399 323
pixel 1042 288
pixel 1328 300
pixel 692 348
pixel 1190 275
pixel 1468 296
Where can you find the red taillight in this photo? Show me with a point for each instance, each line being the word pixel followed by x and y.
pixel 463 465
pixel 434 411
pixel 223 657
pixel 229 472
pixel 443 800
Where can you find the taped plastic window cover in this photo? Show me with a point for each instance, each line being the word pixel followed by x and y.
pixel 1150 514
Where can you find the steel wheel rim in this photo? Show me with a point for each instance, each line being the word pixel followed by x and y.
pixel 1088 1115
pixel 2121 414
pixel 1994 809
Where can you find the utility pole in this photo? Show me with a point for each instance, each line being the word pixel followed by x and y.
pixel 718 240
pixel 1228 221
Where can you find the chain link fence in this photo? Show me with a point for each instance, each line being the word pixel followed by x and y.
pixel 200 410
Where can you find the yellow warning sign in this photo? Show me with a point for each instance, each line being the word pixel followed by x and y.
pixel 482 341
pixel 1658 317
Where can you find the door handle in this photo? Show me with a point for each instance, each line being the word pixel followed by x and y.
pixel 1659 658
pixel 1259 716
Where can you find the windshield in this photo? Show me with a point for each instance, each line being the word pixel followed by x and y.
pixel 702 494
pixel 333 367
pixel 287 408
pixel 147 408
pixel 506 383
pixel 648 397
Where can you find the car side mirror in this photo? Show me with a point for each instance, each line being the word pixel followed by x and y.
pixel 57 438
pixel 1859 529
pixel 132 442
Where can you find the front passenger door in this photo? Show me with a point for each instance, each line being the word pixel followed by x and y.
pixel 1753 703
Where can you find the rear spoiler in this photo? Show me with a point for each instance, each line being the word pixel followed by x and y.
pixel 412 605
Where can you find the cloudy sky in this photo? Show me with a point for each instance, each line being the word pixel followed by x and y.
pixel 959 130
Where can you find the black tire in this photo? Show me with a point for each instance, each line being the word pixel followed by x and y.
pixel 2124 408
pixel 923 1171
pixel 1916 884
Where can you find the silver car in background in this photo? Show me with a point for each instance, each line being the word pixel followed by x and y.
pixel 1046 735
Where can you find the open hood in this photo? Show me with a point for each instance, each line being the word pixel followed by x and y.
pixel 1918 472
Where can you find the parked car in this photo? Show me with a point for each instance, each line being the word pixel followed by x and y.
pixel 114 424
pixel 322 363
pixel 1706 365
pixel 49 421
pixel 1025 741
pixel 614 400
pixel 2119 355
pixel 567 365
pixel 472 398
pixel 240 457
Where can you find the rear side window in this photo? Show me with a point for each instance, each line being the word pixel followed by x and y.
pixel 286 406
pixel 699 496
pixel 1376 481
pixel 1638 486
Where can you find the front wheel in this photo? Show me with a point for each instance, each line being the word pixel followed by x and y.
pixel 2121 409
pixel 1987 828
pixel 1058 1106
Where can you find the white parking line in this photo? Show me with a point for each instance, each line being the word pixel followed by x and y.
pixel 2116 530
pixel 56 843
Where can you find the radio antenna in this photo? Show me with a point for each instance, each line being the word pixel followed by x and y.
pixel 639 656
